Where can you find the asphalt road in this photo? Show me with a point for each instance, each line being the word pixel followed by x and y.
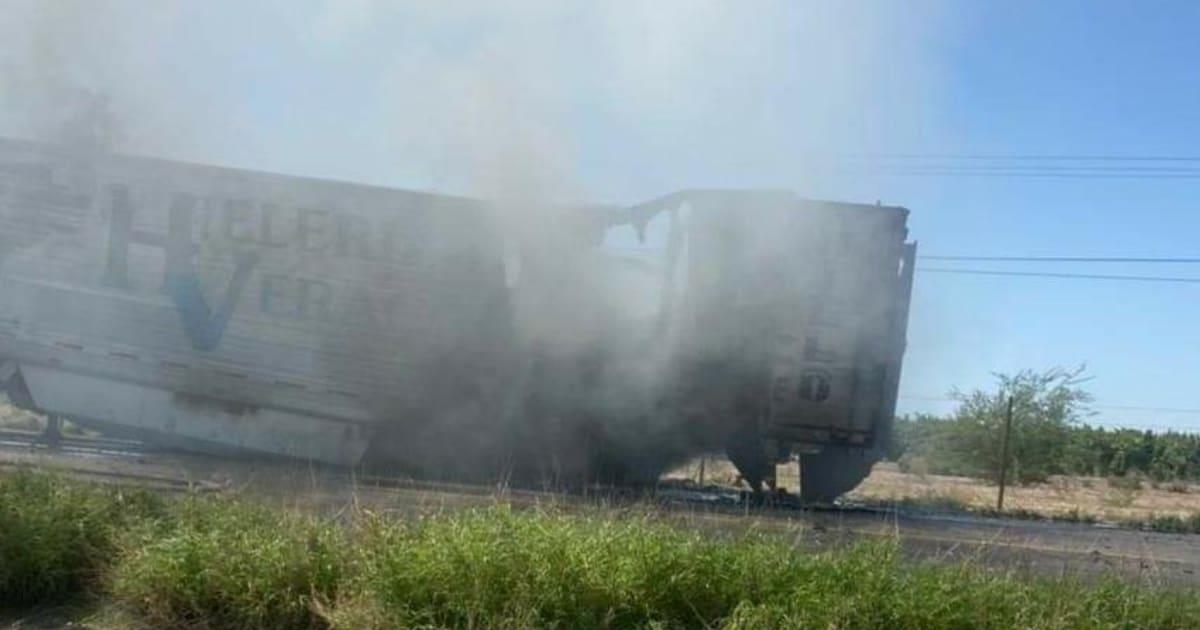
pixel 1032 547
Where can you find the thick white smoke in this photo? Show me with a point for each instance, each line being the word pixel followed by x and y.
pixel 533 105
pixel 598 99
pixel 89 72
pixel 557 99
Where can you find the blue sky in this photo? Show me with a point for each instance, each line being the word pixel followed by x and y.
pixel 1065 78
pixel 624 101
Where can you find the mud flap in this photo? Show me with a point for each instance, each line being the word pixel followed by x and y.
pixel 827 475
pixel 747 452
pixel 13 384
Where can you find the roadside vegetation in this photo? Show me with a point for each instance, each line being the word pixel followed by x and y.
pixel 219 562
pixel 57 538
pixel 1174 524
pixel 1051 445
pixel 1050 436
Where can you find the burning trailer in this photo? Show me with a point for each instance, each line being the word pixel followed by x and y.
pixel 229 311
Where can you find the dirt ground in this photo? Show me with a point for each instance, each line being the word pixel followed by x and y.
pixel 1080 497
pixel 1076 497
pixel 13 418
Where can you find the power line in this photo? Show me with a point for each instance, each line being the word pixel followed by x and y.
pixel 1046 274
pixel 1050 168
pixel 948 399
pixel 1148 409
pixel 1028 157
pixel 946 172
pixel 1037 274
pixel 1071 259
pixel 1110 423
pixel 1044 168
pixel 1053 166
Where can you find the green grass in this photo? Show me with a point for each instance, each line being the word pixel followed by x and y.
pixel 229 564
pixel 502 569
pixel 499 568
pixel 57 538
pixel 225 563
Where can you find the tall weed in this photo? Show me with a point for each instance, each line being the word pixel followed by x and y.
pixel 58 537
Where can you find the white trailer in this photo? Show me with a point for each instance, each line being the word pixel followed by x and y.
pixel 226 310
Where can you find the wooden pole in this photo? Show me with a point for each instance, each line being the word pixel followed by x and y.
pixel 702 460
pixel 1004 455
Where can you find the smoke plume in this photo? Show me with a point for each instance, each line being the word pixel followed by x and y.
pixel 533 106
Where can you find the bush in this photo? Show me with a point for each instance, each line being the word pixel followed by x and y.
pixel 914 465
pixel 1126 482
pixel 1179 487
pixel 498 568
pixel 57 537
pixel 1177 524
pixel 204 563
pixel 233 565
pixel 958 447
pixel 929 597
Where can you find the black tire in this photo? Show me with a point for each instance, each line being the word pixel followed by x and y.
pixel 833 472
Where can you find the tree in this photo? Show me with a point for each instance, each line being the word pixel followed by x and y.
pixel 912 435
pixel 1049 436
pixel 1046 405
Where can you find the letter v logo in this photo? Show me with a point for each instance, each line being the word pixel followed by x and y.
pixel 204 326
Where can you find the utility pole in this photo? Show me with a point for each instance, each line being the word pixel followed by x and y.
pixel 1004 455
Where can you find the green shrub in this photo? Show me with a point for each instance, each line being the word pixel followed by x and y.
pixel 233 565
pixel 498 568
pixel 965 442
pixel 1130 482
pixel 57 537
pixel 213 563
pixel 1178 487
pixel 882 596
pixel 1176 524
pixel 914 464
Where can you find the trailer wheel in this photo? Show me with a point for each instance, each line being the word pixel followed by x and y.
pixel 833 472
